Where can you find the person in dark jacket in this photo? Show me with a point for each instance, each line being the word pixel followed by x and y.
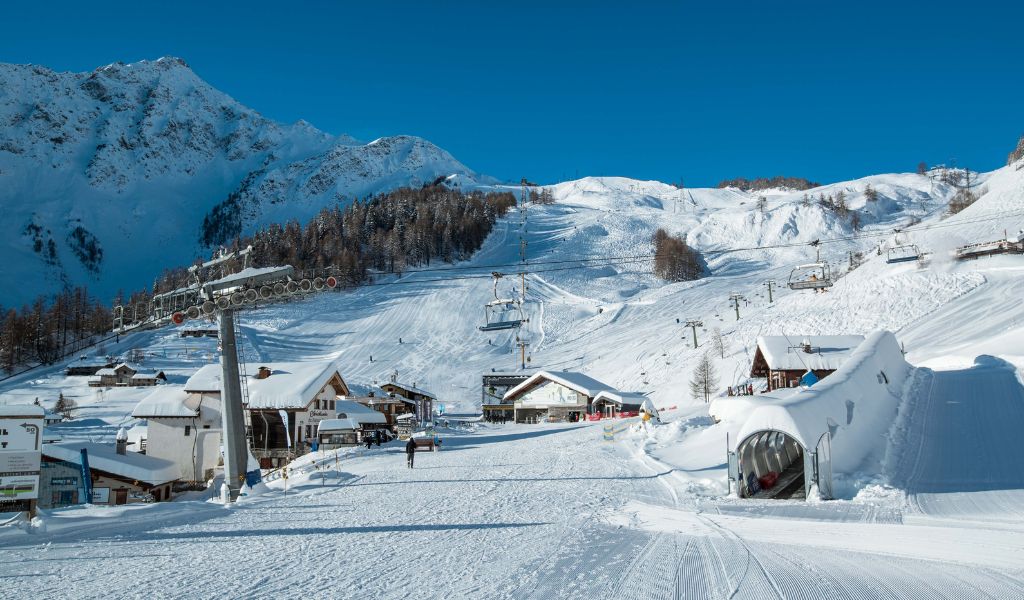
pixel 410 451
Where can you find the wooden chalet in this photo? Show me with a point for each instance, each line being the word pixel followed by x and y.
pixel 121 375
pixel 421 400
pixel 783 360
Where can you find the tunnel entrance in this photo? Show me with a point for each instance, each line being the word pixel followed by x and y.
pixel 771 466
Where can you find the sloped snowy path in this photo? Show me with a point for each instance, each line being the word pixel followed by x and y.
pixel 961 454
pixel 505 512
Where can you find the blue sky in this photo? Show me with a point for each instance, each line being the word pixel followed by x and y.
pixel 653 90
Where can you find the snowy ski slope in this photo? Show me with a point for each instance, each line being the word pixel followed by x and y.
pixel 553 510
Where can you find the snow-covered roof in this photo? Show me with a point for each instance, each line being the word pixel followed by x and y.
pixel 146 375
pixel 109 371
pixel 336 425
pixel 827 353
pixel 21 410
pixel 105 458
pixel 206 379
pixel 359 412
pixel 166 401
pixel 409 388
pixel 621 398
pixel 579 382
pixel 290 384
pixel 856 404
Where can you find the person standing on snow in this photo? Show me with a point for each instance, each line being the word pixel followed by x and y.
pixel 410 451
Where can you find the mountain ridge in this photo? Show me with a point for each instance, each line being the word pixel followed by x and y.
pixel 122 165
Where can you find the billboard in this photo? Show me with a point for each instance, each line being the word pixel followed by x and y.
pixel 19 487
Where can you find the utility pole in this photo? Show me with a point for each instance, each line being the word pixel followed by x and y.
pixel 735 298
pixel 693 324
pixel 770 284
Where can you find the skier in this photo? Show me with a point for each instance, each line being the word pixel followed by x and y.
pixel 410 451
pixel 369 442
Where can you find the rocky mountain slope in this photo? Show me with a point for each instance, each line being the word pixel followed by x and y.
pixel 109 176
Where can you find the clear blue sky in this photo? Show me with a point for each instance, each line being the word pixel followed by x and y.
pixel 660 90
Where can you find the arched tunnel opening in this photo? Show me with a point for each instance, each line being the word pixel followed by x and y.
pixel 771 465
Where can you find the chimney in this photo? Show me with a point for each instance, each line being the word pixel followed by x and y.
pixel 121 445
pixel 263 373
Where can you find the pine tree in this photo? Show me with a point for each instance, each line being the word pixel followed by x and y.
pixel 65 407
pixel 705 379
pixel 871 194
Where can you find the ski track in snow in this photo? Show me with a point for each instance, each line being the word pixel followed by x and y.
pixel 504 512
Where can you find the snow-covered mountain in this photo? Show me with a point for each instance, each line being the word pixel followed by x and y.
pixel 106 177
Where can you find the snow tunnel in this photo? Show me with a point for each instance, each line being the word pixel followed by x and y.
pixel 771 465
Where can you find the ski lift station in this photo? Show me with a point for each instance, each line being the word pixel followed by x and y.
pixel 788 442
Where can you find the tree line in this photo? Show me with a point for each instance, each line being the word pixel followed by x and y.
pixel 51 328
pixel 386 233
pixel 674 260
pixel 767 183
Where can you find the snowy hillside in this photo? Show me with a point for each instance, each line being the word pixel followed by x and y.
pixel 931 509
pixel 106 177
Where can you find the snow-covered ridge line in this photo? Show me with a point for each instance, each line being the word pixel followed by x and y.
pixel 115 170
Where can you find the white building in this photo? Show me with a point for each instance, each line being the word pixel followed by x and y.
pixel 184 425
pixel 554 396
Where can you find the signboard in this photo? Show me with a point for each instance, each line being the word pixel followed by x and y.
pixel 20 455
pixel 19 487
pixel 100 496
pixel 19 461
pixel 20 434
pixel 318 414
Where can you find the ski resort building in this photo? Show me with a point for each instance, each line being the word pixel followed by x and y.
pixel 147 379
pixel 422 401
pixel 116 476
pixel 183 427
pixel 354 422
pixel 554 396
pixel 790 440
pixel 392 407
pixel 121 375
pixel 86 367
pixel 611 403
pixel 492 393
pixel 286 403
pixel 783 360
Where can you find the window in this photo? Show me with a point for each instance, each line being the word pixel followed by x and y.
pixel 188 430
pixel 332 404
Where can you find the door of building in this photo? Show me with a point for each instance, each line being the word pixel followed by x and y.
pixel 120 496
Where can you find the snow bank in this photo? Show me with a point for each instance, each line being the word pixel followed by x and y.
pixel 856 404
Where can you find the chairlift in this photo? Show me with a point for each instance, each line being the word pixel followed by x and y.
pixel 502 313
pixel 812 276
pixel 901 254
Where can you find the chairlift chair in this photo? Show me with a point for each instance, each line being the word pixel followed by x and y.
pixel 901 254
pixel 497 311
pixel 812 276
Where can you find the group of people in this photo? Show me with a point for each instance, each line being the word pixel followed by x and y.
pixel 499 419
